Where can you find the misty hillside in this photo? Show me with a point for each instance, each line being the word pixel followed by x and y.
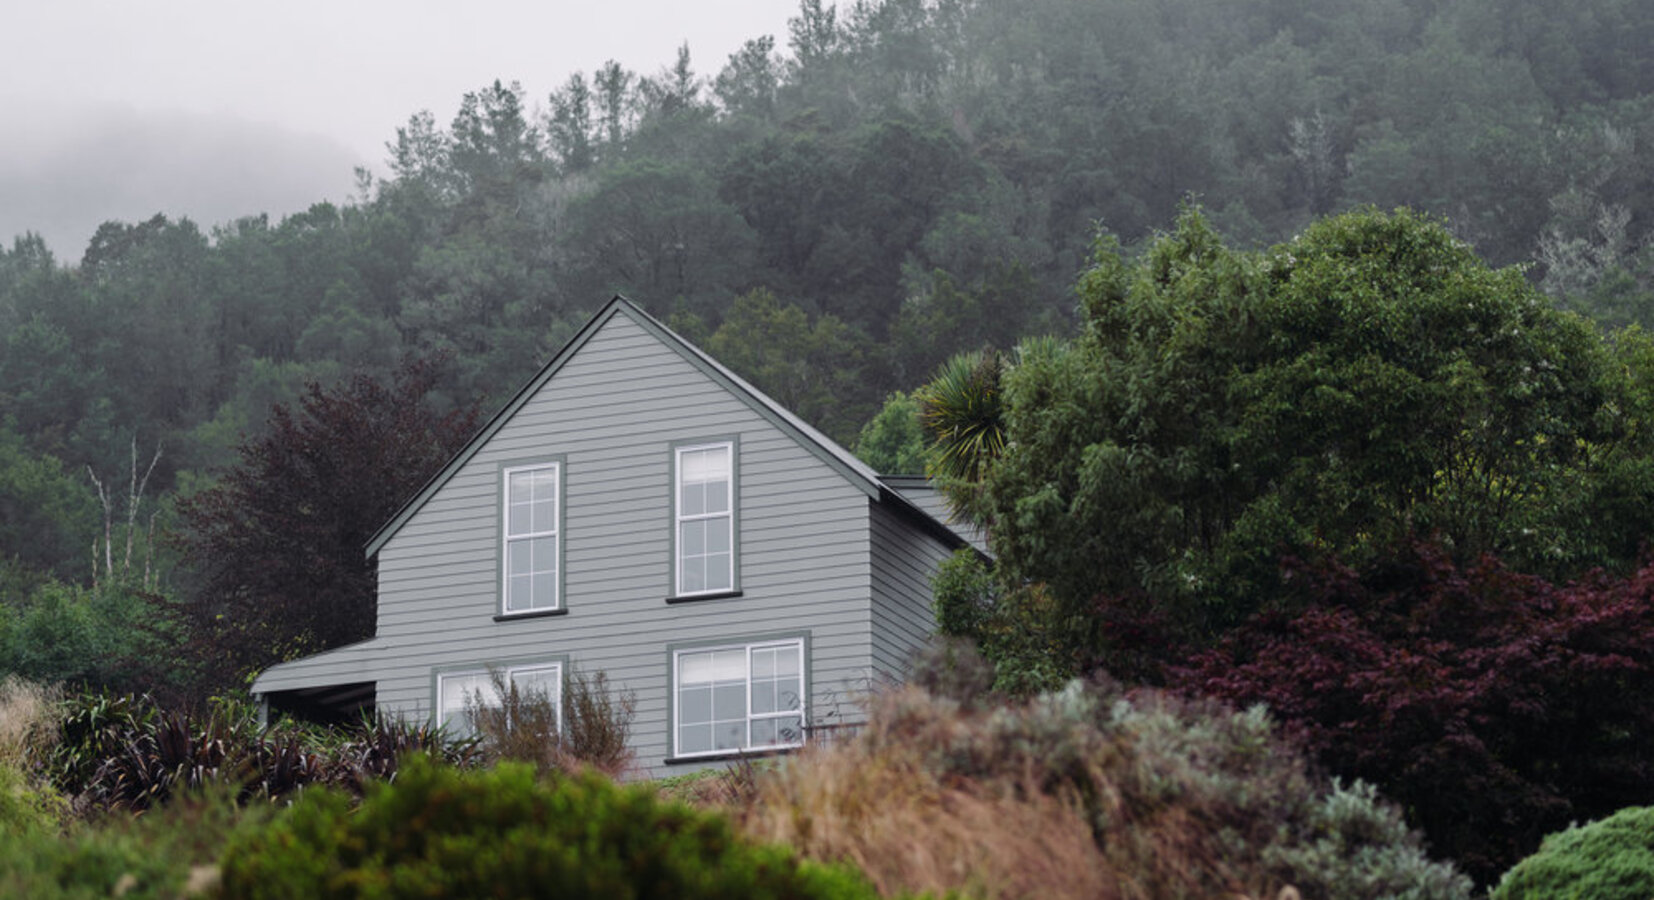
pixel 205 410
pixel 887 184
pixel 61 179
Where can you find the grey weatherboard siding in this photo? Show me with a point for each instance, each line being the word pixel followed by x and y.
pixel 824 550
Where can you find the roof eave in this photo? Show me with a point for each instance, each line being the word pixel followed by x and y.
pixel 853 470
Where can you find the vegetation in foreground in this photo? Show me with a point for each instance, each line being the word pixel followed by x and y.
pixel 1469 694
pixel 1087 792
pixel 1361 477
pixel 950 789
pixel 1608 860
pixel 524 727
pixel 440 832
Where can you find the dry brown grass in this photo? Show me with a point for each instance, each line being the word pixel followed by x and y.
pixel 28 720
pixel 910 832
pixel 1085 792
pixel 932 797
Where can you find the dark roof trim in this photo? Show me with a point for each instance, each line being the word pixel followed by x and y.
pixel 488 429
pixel 841 460
pixel 897 485
pixel 854 470
pixel 906 482
pixel 924 520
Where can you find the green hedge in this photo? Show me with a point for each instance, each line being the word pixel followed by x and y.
pixel 438 832
pixel 1604 860
pixel 155 856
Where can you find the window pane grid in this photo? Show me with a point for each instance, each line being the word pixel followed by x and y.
pixel 531 502
pixel 456 689
pixel 532 543
pixel 740 698
pixel 706 521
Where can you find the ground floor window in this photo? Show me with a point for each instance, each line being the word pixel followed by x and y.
pixel 738 697
pixel 455 688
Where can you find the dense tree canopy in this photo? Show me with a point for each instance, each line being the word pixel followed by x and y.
pixel 1369 381
pixel 1350 477
pixel 914 178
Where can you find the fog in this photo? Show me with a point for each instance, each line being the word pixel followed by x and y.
pixel 114 163
pixel 215 111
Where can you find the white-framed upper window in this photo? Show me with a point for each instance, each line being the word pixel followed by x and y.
pixel 458 692
pixel 531 557
pixel 738 697
pixel 704 507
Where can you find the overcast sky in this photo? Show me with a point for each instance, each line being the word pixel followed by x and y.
pixel 219 108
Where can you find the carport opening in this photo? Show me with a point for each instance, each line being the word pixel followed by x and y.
pixel 332 705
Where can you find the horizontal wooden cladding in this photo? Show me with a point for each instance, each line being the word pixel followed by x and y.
pixel 837 668
pixel 638 663
pixel 611 416
pixel 439 618
pixel 903 562
pixel 615 649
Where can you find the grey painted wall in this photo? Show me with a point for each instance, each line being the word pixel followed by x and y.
pixel 904 559
pixel 612 414
pixel 817 557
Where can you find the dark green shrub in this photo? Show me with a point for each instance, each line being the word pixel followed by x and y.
pixel 26 808
pixel 965 594
pixel 94 727
pixel 441 832
pixel 373 749
pixel 1013 627
pixel 1605 860
pixel 167 853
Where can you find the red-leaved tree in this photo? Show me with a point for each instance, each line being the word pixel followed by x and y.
pixel 1493 706
pixel 278 544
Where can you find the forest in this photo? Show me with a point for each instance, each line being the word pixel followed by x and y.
pixel 836 214
pixel 887 184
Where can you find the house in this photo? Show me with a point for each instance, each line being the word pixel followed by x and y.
pixel 638 509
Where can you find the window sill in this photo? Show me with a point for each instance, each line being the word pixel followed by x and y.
pixel 692 598
pixel 765 753
pixel 536 614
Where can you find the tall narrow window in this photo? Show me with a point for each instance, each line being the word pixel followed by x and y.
pixel 531 539
pixel 705 525
pixel 739 698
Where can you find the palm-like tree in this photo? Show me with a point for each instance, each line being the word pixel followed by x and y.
pixel 963 415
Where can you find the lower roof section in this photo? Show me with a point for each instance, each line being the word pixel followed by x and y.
pixel 352 663
pixel 923 493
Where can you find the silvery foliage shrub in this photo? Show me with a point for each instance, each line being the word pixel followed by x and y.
pixel 1198 772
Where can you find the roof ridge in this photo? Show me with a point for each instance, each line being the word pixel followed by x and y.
pixel 828 450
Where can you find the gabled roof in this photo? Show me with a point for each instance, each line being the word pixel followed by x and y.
pixel 839 459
